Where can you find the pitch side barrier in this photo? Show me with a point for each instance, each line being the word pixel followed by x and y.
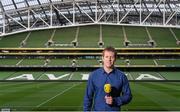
pixel 66 81
pixel 93 52
pixel 85 50
pixel 88 68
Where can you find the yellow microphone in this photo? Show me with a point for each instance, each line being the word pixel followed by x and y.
pixel 107 89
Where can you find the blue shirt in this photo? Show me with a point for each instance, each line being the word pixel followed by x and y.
pixel 94 98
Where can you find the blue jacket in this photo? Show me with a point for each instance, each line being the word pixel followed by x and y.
pixel 94 98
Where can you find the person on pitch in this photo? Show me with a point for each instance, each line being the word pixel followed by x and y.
pixel 107 87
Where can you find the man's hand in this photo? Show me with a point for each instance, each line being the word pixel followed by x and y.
pixel 109 100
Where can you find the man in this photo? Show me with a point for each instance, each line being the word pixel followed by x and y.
pixel 95 97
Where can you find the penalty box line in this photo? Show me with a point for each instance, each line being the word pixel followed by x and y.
pixel 58 94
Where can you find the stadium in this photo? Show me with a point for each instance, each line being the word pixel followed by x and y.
pixel 49 47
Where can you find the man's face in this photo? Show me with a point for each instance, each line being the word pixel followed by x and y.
pixel 108 59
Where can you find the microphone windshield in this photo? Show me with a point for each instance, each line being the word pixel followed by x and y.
pixel 107 88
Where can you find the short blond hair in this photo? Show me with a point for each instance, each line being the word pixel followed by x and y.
pixel 110 48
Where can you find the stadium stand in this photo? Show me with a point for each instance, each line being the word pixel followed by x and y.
pixel 111 35
pixel 141 34
pixel 163 34
pixel 112 32
pixel 88 36
pixel 63 37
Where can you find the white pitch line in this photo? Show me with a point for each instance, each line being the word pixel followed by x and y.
pixel 19 61
pixel 57 95
pixel 40 76
pixel 71 76
pixel 33 106
pixel 131 76
pixel 155 62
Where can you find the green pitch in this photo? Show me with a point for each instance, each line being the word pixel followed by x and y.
pixel 69 96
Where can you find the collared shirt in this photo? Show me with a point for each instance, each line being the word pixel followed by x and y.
pixel 94 98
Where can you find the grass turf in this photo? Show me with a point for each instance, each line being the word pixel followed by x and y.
pixel 69 96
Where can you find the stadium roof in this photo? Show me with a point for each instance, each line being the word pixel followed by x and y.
pixel 28 14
